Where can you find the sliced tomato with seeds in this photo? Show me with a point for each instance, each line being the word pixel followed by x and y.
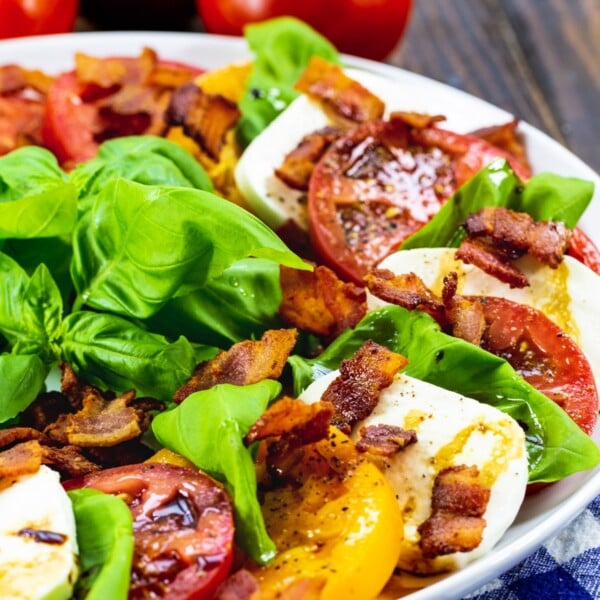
pixel 543 355
pixel 382 181
pixel 182 524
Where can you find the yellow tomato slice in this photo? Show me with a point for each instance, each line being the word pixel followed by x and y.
pixel 338 528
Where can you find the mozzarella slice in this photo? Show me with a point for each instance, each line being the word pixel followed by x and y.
pixel 568 295
pixel 452 430
pixel 30 568
pixel 272 200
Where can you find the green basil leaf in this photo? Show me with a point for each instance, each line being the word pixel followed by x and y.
pixel 550 197
pixel 282 48
pixel 146 159
pixel 105 539
pixel 22 378
pixel 36 199
pixel 208 428
pixel 139 246
pixel 240 304
pixel 555 445
pixel 30 309
pixel 113 353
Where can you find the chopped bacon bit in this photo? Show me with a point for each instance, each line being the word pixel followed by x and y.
pixel 299 163
pixel 23 459
pixel 319 302
pixel 45 409
pixel 15 435
pixel 20 122
pixel 206 118
pixel 355 392
pixel 415 119
pixel 385 440
pixel 100 422
pixel 467 319
pixel 299 423
pixel 458 504
pixel 406 290
pixel 473 253
pixel 241 585
pixel 244 363
pixel 507 138
pixel 339 93
pixel 15 79
pixel 68 461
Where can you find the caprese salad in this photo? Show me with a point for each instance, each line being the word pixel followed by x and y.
pixel 267 332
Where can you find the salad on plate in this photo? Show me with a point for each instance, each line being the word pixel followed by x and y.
pixel 273 330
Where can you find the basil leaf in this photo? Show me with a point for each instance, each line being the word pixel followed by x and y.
pixel 282 48
pixel 105 539
pixel 550 197
pixel 30 309
pixel 113 353
pixel 36 199
pixel 555 445
pixel 139 246
pixel 546 196
pixel 208 428
pixel 22 378
pixel 146 159
pixel 240 304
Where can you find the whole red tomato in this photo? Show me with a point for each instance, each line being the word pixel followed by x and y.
pixel 34 17
pixel 369 28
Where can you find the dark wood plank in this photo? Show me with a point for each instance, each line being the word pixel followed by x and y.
pixel 535 58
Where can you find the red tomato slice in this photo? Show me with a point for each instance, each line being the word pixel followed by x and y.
pixel 183 528
pixel 584 250
pixel 543 355
pixel 72 128
pixel 382 181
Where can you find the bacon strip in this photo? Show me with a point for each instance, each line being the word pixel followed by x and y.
pixel 300 162
pixel 415 119
pixel 23 459
pixel 458 504
pixel 244 363
pixel 355 392
pixel 206 118
pixel 298 422
pixel 385 440
pixel 507 138
pixel 497 235
pixel 345 97
pixel 319 302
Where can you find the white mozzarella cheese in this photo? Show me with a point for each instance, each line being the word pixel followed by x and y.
pixel 568 295
pixel 31 569
pixel 452 430
pixel 272 200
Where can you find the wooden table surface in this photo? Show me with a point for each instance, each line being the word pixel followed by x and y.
pixel 539 59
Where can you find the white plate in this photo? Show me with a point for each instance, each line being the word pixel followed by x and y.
pixel 542 515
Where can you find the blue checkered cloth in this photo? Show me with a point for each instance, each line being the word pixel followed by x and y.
pixel 567 567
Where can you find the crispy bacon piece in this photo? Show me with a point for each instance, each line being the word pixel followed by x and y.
pixel 415 119
pixel 355 392
pixel 244 363
pixel 466 319
pixel 15 79
pixel 15 435
pixel 507 138
pixel 319 302
pixel 342 96
pixel 299 423
pixel 241 585
pixel 68 461
pixel 23 459
pixel 406 290
pixel 497 235
pixel 458 504
pixel 100 422
pixel 206 118
pixel 299 163
pixel 385 440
